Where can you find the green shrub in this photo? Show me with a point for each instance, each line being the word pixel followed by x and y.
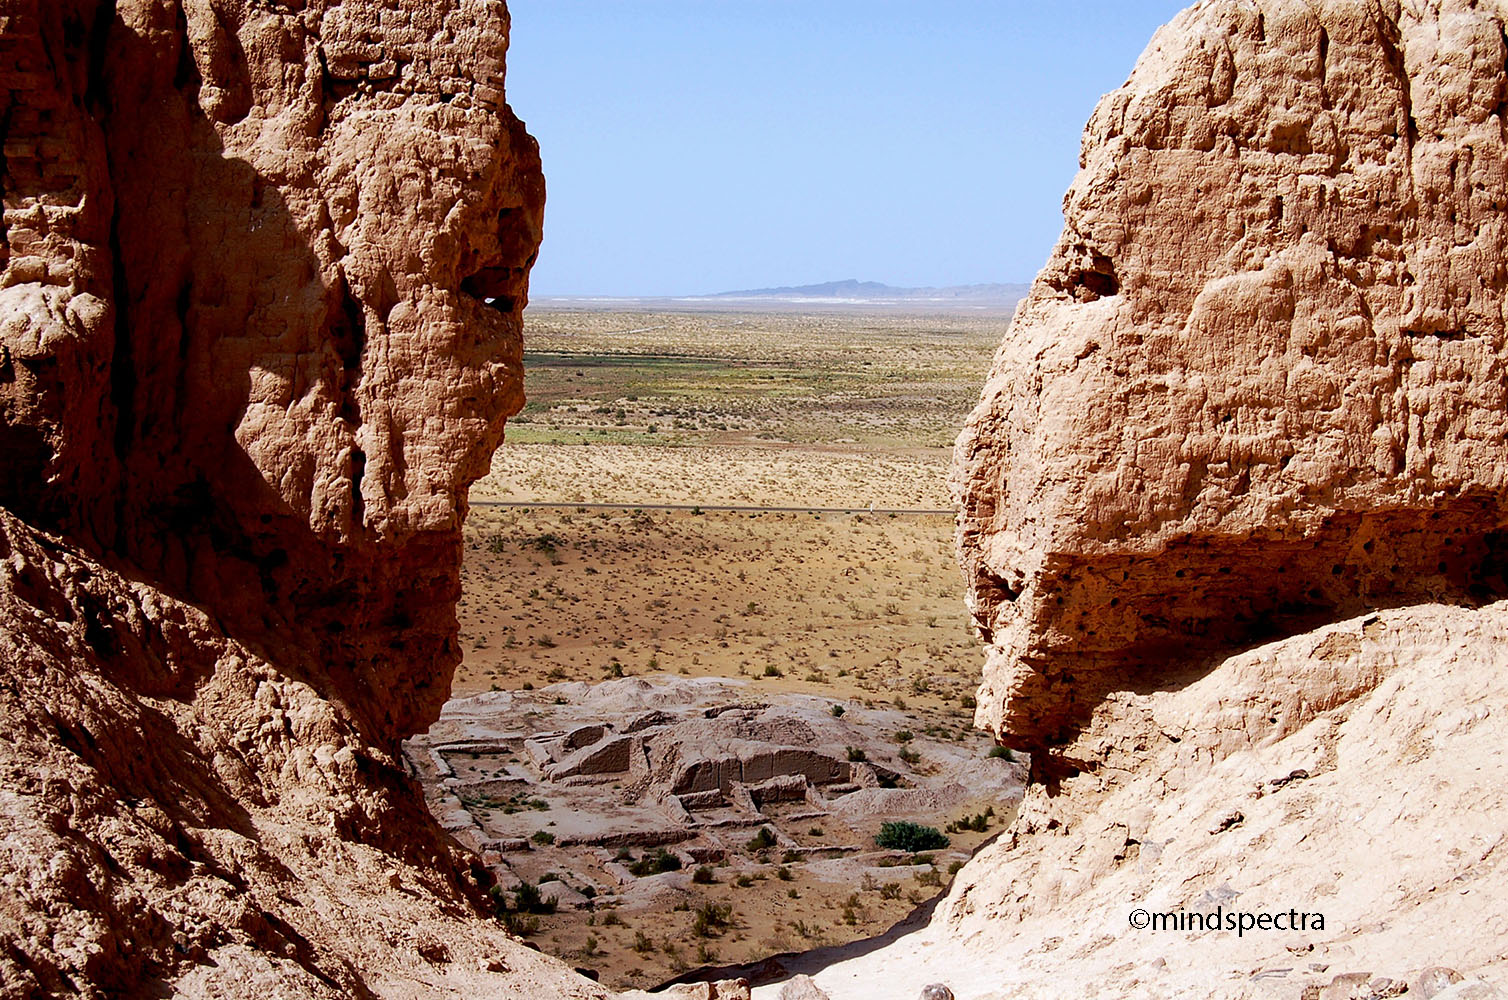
pixel 761 841
pixel 903 835
pixel 529 900
pixel 703 875
pixel 711 918
pixel 519 925
pixel 653 864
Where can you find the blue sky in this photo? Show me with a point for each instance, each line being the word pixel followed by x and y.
pixel 694 147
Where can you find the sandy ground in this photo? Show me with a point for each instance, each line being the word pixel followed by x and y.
pixel 855 606
pixel 862 609
pixel 708 475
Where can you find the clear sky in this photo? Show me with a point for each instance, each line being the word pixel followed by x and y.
pixel 697 146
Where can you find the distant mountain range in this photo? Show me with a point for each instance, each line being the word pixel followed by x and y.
pixel 874 291
pixel 829 296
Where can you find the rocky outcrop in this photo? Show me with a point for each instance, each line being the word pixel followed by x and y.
pixel 1260 384
pixel 264 265
pixel 1352 776
pixel 264 269
pixel 1232 517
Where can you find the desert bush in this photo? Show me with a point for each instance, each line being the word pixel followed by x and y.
pixel 978 823
pixel 703 875
pixel 653 864
pixel 711 918
pixel 903 835
pixel 519 925
pixel 857 755
pixel 528 900
pixel 761 841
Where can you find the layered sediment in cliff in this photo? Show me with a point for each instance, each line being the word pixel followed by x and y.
pixel 264 266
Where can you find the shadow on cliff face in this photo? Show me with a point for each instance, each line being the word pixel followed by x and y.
pixel 212 648
pixel 1177 615
pixel 204 247
pixel 219 290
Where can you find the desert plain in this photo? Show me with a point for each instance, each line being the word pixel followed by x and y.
pixel 753 502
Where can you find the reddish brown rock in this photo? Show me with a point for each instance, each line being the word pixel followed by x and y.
pixel 264 265
pixel 250 251
pixel 1260 384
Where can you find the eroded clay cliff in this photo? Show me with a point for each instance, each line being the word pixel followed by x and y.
pixel 1260 384
pixel 1232 516
pixel 264 265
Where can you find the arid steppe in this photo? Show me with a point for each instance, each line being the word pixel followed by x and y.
pixel 595 550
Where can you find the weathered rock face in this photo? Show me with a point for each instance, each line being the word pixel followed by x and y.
pixel 1261 382
pixel 264 265
pixel 1233 511
pixel 1353 775
pixel 249 255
